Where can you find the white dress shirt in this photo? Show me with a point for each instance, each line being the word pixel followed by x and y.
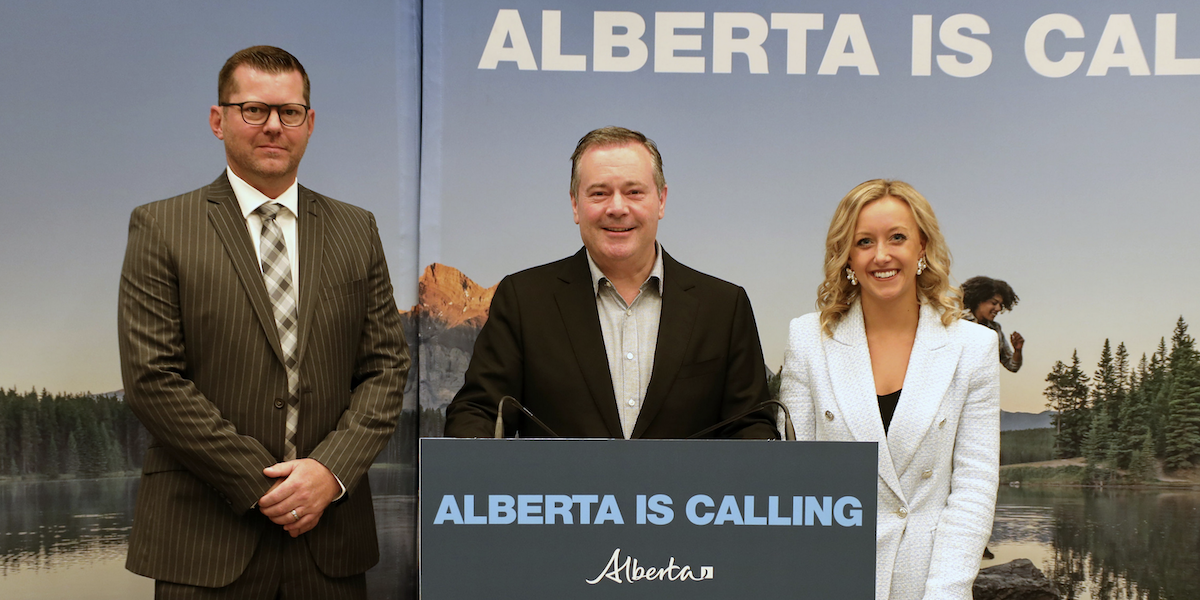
pixel 249 199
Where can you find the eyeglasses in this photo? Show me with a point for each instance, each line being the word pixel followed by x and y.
pixel 257 113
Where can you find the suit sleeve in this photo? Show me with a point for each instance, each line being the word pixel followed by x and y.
pixel 495 371
pixel 966 523
pixel 746 378
pixel 154 367
pixel 794 388
pixel 377 385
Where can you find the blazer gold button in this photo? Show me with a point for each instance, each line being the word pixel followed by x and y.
pixel 941 423
pixel 278 403
pixel 903 512
pixel 828 416
pixel 927 473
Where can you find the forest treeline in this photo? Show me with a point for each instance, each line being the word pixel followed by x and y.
pixel 51 435
pixel 68 434
pixel 1129 416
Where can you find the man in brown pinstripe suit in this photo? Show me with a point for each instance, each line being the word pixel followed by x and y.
pixel 221 510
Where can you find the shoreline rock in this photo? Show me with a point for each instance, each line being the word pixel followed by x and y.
pixel 1015 580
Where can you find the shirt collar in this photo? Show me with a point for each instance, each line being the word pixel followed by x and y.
pixel 656 272
pixel 249 198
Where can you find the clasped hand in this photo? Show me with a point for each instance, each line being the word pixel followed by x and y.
pixel 302 490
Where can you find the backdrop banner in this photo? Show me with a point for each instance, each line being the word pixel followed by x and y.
pixel 647 519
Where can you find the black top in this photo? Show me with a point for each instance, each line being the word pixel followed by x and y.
pixel 887 407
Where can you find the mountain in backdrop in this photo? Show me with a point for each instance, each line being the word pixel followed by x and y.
pixel 1013 421
pixel 450 311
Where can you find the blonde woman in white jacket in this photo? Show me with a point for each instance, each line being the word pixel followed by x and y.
pixel 887 360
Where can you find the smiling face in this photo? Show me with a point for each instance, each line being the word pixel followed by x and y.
pixel 884 251
pixel 987 310
pixel 617 207
pixel 265 156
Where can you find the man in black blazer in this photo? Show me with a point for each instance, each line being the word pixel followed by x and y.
pixel 267 401
pixel 619 340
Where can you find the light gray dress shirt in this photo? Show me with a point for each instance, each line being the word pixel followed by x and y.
pixel 630 337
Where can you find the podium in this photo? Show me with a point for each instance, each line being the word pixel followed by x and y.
pixel 663 519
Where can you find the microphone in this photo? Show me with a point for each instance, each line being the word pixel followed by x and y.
pixel 789 431
pixel 499 432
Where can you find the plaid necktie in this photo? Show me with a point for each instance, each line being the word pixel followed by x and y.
pixel 277 274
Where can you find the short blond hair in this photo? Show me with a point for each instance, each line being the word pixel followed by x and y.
pixel 836 294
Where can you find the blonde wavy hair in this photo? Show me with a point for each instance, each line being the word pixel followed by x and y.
pixel 835 295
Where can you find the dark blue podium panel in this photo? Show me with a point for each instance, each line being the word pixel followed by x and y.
pixel 662 519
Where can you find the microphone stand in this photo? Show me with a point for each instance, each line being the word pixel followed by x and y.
pixel 788 430
pixel 499 432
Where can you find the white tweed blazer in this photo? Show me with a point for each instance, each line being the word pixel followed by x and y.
pixel 939 460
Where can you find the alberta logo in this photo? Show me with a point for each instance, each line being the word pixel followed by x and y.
pixel 628 570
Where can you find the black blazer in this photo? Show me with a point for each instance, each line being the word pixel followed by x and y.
pixel 542 344
pixel 203 370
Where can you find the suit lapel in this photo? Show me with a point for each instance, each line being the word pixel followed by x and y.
pixel 310 238
pixel 226 217
pixel 675 323
pixel 930 371
pixel 576 300
pixel 853 383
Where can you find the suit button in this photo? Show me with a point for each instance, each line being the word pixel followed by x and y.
pixel 828 416
pixel 927 473
pixel 941 423
pixel 278 403
pixel 903 512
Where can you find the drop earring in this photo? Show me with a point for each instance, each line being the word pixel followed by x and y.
pixel 921 265
pixel 850 275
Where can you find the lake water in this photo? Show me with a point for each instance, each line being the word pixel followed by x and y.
pixel 67 539
pixel 1103 544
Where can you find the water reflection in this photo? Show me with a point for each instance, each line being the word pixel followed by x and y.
pixel 53 524
pixel 1104 545
pixel 68 538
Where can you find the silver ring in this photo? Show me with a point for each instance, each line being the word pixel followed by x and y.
pixel 294 515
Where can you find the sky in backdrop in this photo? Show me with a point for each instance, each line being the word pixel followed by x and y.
pixel 1077 190
pixel 106 107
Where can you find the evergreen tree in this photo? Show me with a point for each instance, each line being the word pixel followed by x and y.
pixel 1106 393
pixel 4 450
pixel 1133 423
pixel 1141 463
pixel 1182 428
pixel 72 464
pixel 1154 386
pixel 1183 424
pixel 1067 395
pixel 1122 446
pixel 1096 443
pixel 1183 346
pixel 29 437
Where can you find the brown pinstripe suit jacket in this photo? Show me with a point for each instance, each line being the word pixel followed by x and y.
pixel 203 370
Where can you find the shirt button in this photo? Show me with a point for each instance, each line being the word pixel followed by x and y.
pixel 828 416
pixel 927 473
pixel 903 512
pixel 278 403
pixel 629 355
pixel 631 402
